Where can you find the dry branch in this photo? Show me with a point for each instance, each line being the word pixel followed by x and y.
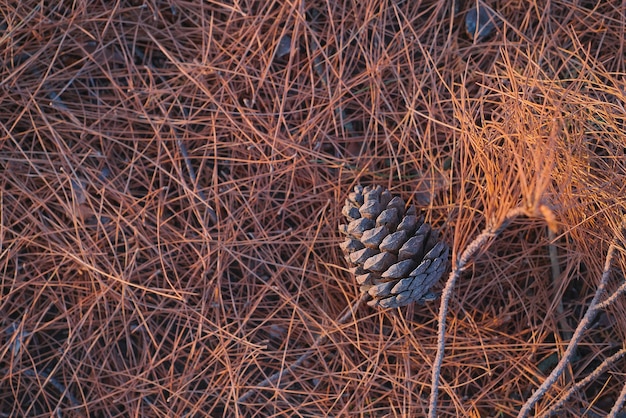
pixel 619 403
pixel 583 325
pixel 477 245
pixel 593 376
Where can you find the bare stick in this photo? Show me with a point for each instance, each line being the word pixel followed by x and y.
pixel 320 340
pixel 620 401
pixel 192 175
pixel 584 382
pixel 615 295
pixel 573 344
pixel 475 246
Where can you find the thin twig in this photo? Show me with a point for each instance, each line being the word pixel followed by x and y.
pixel 318 65
pixel 349 312
pixel 192 175
pixel 611 299
pixel 566 334
pixel 573 344
pixel 179 142
pixel 593 376
pixel 556 274
pixel 475 246
pixel 619 403
pixel 54 382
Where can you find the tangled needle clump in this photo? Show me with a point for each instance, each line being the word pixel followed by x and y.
pixel 395 256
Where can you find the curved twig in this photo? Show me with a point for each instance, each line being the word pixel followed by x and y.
pixel 584 382
pixel 617 407
pixel 476 245
pixel 573 344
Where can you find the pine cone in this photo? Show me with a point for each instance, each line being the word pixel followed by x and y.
pixel 395 256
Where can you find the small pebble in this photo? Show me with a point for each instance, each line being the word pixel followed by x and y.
pixel 480 22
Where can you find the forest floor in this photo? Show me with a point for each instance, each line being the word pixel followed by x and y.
pixel 172 176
